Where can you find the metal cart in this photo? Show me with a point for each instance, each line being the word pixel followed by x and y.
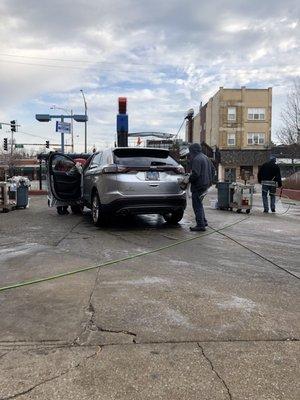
pixel 6 204
pixel 235 196
pixel 19 186
pixel 241 197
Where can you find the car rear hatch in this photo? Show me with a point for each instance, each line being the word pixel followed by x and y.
pixel 147 172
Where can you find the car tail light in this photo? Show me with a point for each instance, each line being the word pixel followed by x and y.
pixel 110 169
pixel 114 169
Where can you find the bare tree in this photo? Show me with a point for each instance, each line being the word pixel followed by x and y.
pixel 290 116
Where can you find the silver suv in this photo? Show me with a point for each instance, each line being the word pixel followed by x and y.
pixel 120 181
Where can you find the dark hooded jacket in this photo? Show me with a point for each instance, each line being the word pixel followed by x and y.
pixel 269 171
pixel 202 169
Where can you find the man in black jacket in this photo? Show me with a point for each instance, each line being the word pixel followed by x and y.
pixel 201 178
pixel 269 176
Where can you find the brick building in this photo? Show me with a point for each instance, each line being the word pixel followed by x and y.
pixel 238 123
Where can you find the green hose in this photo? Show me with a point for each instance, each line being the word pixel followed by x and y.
pixel 145 253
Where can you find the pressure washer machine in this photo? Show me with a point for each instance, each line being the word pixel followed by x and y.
pixel 235 196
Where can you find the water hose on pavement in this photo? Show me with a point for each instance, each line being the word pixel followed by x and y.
pixel 112 262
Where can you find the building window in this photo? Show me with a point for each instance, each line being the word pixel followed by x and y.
pixel 231 116
pixel 231 139
pixel 256 114
pixel 256 138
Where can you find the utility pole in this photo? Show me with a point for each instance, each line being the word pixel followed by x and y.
pixel 85 123
pixel 54 107
pixel 13 125
pixel 62 137
pixel 72 133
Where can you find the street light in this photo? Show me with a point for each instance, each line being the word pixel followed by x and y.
pixel 47 118
pixel 85 122
pixel 54 107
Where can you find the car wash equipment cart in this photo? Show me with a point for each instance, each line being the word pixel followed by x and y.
pixel 6 204
pixel 241 197
pixel 19 190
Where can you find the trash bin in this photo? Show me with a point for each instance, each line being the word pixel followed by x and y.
pixel 223 195
pixel 19 190
pixel 22 195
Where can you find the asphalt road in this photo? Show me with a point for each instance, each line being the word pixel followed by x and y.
pixel 214 318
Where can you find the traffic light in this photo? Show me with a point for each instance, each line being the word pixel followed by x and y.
pixel 13 126
pixel 5 146
pixel 47 144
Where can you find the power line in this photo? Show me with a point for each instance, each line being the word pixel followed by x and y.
pixel 42 65
pixel 31 134
pixel 180 128
pixel 113 66
pixel 117 63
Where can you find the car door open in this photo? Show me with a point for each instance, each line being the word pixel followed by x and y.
pixel 64 177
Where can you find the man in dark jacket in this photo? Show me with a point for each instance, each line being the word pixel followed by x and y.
pixel 269 176
pixel 201 178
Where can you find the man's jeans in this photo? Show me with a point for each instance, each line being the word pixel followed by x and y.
pixel 268 189
pixel 197 199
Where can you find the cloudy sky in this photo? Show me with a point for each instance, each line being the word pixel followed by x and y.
pixel 165 56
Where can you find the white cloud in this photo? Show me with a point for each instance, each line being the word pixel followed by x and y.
pixel 164 56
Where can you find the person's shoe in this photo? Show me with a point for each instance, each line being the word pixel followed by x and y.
pixel 273 210
pixel 266 211
pixel 197 229
pixel 206 224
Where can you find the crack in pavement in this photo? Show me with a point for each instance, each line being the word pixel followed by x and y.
pixel 66 235
pixel 26 391
pixel 91 326
pixel 215 372
pixel 4 354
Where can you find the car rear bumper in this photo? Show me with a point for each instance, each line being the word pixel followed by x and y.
pixel 145 205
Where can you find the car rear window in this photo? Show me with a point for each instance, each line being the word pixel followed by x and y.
pixel 143 157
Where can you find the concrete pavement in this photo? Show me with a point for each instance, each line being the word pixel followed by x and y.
pixel 215 318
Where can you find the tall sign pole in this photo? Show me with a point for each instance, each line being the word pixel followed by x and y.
pixel 62 138
pixel 72 132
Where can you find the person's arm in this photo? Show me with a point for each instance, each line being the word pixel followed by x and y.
pixel 193 177
pixel 196 167
pixel 259 174
pixel 213 173
pixel 278 176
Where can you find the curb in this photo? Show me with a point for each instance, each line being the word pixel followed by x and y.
pixel 37 192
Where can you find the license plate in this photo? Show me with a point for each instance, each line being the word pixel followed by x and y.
pixel 152 176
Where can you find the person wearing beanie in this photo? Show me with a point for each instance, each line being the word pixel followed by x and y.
pixel 201 178
pixel 269 177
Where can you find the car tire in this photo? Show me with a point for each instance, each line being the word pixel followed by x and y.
pixel 62 210
pixel 77 209
pixel 98 218
pixel 173 217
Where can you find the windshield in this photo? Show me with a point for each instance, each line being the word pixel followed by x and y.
pixel 143 157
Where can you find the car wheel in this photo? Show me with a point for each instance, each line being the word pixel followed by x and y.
pixel 98 219
pixel 77 209
pixel 62 210
pixel 174 217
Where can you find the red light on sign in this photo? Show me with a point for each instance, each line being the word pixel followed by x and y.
pixel 122 105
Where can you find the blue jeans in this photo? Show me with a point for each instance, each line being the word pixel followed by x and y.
pixel 271 190
pixel 197 199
